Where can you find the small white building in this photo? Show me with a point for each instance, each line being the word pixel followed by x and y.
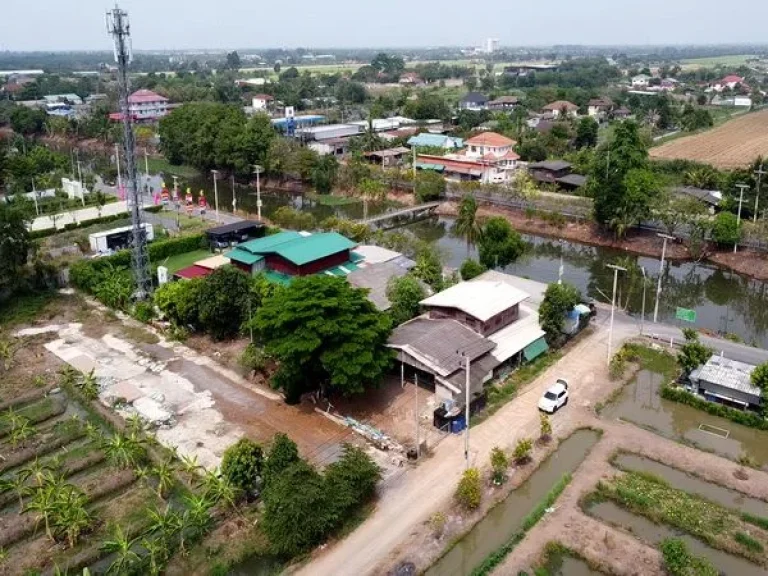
pixel 262 102
pixel 117 238
pixel 640 81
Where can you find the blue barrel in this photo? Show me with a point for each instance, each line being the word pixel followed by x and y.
pixel 458 425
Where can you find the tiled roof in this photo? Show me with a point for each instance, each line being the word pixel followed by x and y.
pixel 560 104
pixel 145 96
pixel 492 139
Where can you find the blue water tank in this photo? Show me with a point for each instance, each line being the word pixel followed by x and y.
pixel 458 425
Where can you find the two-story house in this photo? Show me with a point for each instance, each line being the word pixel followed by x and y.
pixel 145 105
pixel 473 101
pixel 487 158
pixel 599 108
pixel 484 322
pixel 561 108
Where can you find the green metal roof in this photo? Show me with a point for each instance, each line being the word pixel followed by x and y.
pixel 310 248
pixel 435 167
pixel 269 243
pixel 342 270
pixel 243 256
pixel 278 278
pixel 535 349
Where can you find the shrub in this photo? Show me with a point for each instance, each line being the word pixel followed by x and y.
pixel 499 463
pixel 437 522
pixel 350 480
pixel 471 268
pixel 179 301
pixel 282 453
pixel 678 561
pixel 144 311
pixel 242 463
pixel 429 186
pixel 222 301
pixel 522 453
pixel 545 427
pixel 469 491
pixel 749 419
pixel 726 229
pixel 253 358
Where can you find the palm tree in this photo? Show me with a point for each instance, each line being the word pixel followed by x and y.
pixel 197 513
pixel 89 386
pixel 467 224
pixel 157 554
pixel 122 547
pixel 135 425
pixel 189 464
pixel 218 488
pixel 38 471
pixel 371 190
pixel 122 451
pixel 165 525
pixel 21 432
pixel 164 474
pixel 18 483
pixel 142 474
pixel 71 516
pixel 44 504
pixel 68 376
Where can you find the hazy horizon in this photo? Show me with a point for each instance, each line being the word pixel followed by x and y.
pixel 172 25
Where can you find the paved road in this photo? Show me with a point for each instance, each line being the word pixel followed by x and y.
pixel 411 499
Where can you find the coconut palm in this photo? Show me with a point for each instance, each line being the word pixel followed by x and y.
pixel 135 425
pixel 17 483
pixel 68 376
pixel 217 489
pixel 123 451
pixel 164 475
pixel 198 513
pixel 89 386
pixel 467 225
pixel 21 432
pixel 142 474
pixel 71 516
pixel 157 555
pixel 37 470
pixel 189 464
pixel 122 547
pixel 164 525
pixel 44 504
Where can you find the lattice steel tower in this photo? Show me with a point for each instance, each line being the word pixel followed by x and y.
pixel 120 29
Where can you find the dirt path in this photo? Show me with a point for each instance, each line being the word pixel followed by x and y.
pixel 418 493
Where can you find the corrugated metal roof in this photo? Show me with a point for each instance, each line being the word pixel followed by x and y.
pixel 729 374
pixel 268 243
pixel 426 139
pixel 375 278
pixel 511 339
pixel 243 256
pixel 193 271
pixel 310 248
pixel 482 300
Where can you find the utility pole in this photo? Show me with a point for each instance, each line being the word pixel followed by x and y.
pixel 613 305
pixel 120 29
pixel 741 188
pixel 146 170
pixel 117 161
pixel 661 274
pixel 759 172
pixel 559 270
pixel 414 166
pixel 80 179
pixel 466 410
pixel 416 393
pixel 234 197
pixel 258 170
pixel 176 200
pixel 216 193
pixel 642 314
pixel 34 197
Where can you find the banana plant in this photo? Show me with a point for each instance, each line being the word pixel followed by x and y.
pixel 122 547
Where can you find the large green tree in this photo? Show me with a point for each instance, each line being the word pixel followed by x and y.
pixel 324 333
pixel 559 299
pixel 619 181
pixel 14 245
pixel 586 133
pixel 404 295
pixel 500 244
pixel 223 298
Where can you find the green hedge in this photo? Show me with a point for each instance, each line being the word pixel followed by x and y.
pixel 86 274
pixel 749 419
pixel 85 223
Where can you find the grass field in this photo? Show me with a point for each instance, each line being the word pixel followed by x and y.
pixel 157 165
pixel 733 60
pixel 175 263
pixel 733 144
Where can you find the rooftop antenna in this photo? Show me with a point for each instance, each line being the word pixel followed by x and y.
pixel 119 28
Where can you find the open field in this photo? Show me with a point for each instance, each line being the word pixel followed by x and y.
pixel 732 60
pixel 732 145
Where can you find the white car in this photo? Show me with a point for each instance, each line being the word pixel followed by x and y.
pixel 554 398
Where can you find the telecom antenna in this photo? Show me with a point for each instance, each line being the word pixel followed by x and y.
pixel 120 30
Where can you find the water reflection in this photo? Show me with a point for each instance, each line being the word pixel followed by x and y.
pixel 725 302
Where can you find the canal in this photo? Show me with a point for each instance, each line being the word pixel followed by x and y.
pixel 725 302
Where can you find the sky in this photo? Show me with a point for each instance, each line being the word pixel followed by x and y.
pixel 28 25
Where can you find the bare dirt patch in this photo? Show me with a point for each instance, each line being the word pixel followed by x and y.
pixel 734 144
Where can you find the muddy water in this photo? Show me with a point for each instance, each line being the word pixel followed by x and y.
pixel 641 404
pixel 567 566
pixel 504 520
pixel 652 533
pixel 679 479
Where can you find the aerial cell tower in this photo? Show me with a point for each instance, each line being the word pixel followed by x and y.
pixel 120 29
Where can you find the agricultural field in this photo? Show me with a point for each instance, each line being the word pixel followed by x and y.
pixel 732 60
pixel 734 144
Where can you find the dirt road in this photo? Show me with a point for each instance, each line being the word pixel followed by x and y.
pixel 424 490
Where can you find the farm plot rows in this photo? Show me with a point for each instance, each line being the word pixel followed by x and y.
pixel 732 145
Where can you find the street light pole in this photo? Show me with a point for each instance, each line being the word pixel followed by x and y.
pixel 216 192
pixel 176 200
pixel 258 170
pixel 741 188
pixel 34 197
pixel 117 161
pixel 560 270
pixel 642 314
pixel 146 168
pixel 661 274
pixel 80 178
pixel 234 197
pixel 416 385
pixel 466 410
pixel 613 305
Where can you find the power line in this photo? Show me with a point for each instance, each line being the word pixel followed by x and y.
pixel 119 28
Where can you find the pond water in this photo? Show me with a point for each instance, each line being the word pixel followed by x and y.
pixel 505 519
pixel 653 534
pixel 641 404
pixel 719 494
